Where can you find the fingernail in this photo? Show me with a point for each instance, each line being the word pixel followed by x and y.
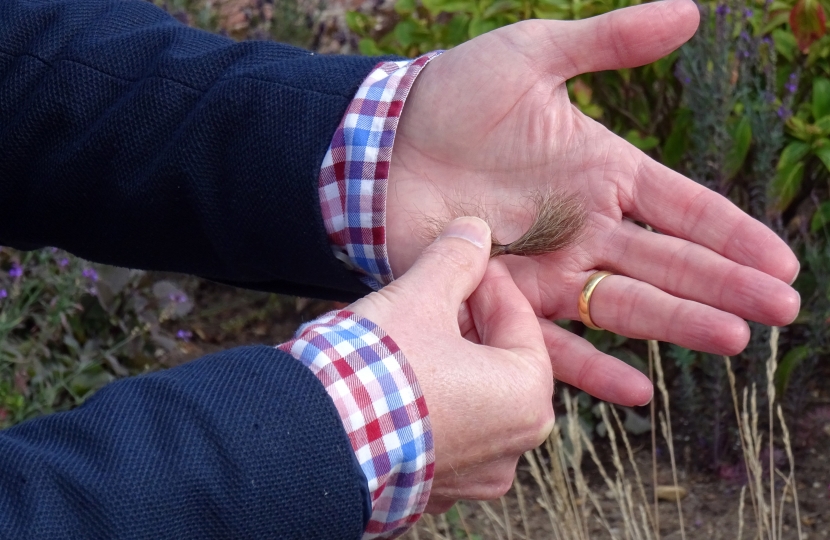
pixel 650 387
pixel 472 229
pixel 796 274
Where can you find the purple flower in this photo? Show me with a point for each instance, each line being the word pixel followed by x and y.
pixel 178 298
pixel 53 250
pixel 722 10
pixel 184 335
pixel 3 293
pixel 744 35
pixel 792 84
pixel 90 274
pixel 767 40
pixel 784 113
pixel 748 13
pixel 681 75
pixel 63 263
pixel 16 271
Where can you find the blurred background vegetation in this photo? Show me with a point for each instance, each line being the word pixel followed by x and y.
pixel 743 108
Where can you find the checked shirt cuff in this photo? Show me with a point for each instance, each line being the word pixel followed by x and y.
pixel 383 411
pixel 355 170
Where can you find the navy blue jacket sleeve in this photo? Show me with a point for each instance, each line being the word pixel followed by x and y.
pixel 245 444
pixel 130 139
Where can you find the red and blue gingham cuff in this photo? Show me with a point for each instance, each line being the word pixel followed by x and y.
pixel 383 411
pixel 355 170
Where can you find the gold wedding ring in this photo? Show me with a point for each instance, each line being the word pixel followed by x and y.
pixel 584 304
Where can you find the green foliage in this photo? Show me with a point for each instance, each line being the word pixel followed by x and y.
pixel 787 365
pixel 67 328
pixel 287 21
pixel 429 25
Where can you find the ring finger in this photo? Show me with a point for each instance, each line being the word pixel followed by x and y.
pixel 639 310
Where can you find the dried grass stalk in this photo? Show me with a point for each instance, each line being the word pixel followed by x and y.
pixel 520 497
pixel 772 365
pixel 788 448
pixel 665 424
pixel 741 513
pixel 639 479
pixel 463 521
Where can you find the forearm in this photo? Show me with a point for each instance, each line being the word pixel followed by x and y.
pixel 241 444
pixel 130 139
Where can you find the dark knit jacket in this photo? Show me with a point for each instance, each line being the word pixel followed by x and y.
pixel 130 139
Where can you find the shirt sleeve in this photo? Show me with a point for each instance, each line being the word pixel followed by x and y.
pixel 355 170
pixel 374 389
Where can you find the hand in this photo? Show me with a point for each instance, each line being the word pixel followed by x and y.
pixel 490 121
pixel 490 402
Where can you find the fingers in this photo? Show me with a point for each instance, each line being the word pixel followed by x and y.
pixel 676 205
pixel 639 310
pixel 578 363
pixel 503 316
pixel 452 266
pixel 691 271
pixel 623 38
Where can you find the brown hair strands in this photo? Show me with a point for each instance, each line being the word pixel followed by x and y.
pixel 558 222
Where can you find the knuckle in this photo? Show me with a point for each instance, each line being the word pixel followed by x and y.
pixel 501 485
pixel 543 428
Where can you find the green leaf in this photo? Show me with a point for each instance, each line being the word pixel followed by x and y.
pixel 785 43
pixel 368 47
pixel 405 6
pixel 359 23
pixel 821 219
pixel 405 32
pixel 449 6
pixel 785 186
pixel 678 140
pixel 793 152
pixel 480 26
pixel 823 125
pixel 592 110
pixel 457 29
pixel 642 143
pixel 779 19
pixel 787 365
pixel 741 140
pixel 822 150
pixel 502 6
pixel 634 423
pixel 821 98
pixel 663 66
pixel 790 171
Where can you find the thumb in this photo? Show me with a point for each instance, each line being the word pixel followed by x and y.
pixel 622 38
pixel 450 268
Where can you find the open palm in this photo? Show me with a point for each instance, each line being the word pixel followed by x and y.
pixel 489 123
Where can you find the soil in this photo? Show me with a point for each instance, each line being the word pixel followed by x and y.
pixel 225 317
